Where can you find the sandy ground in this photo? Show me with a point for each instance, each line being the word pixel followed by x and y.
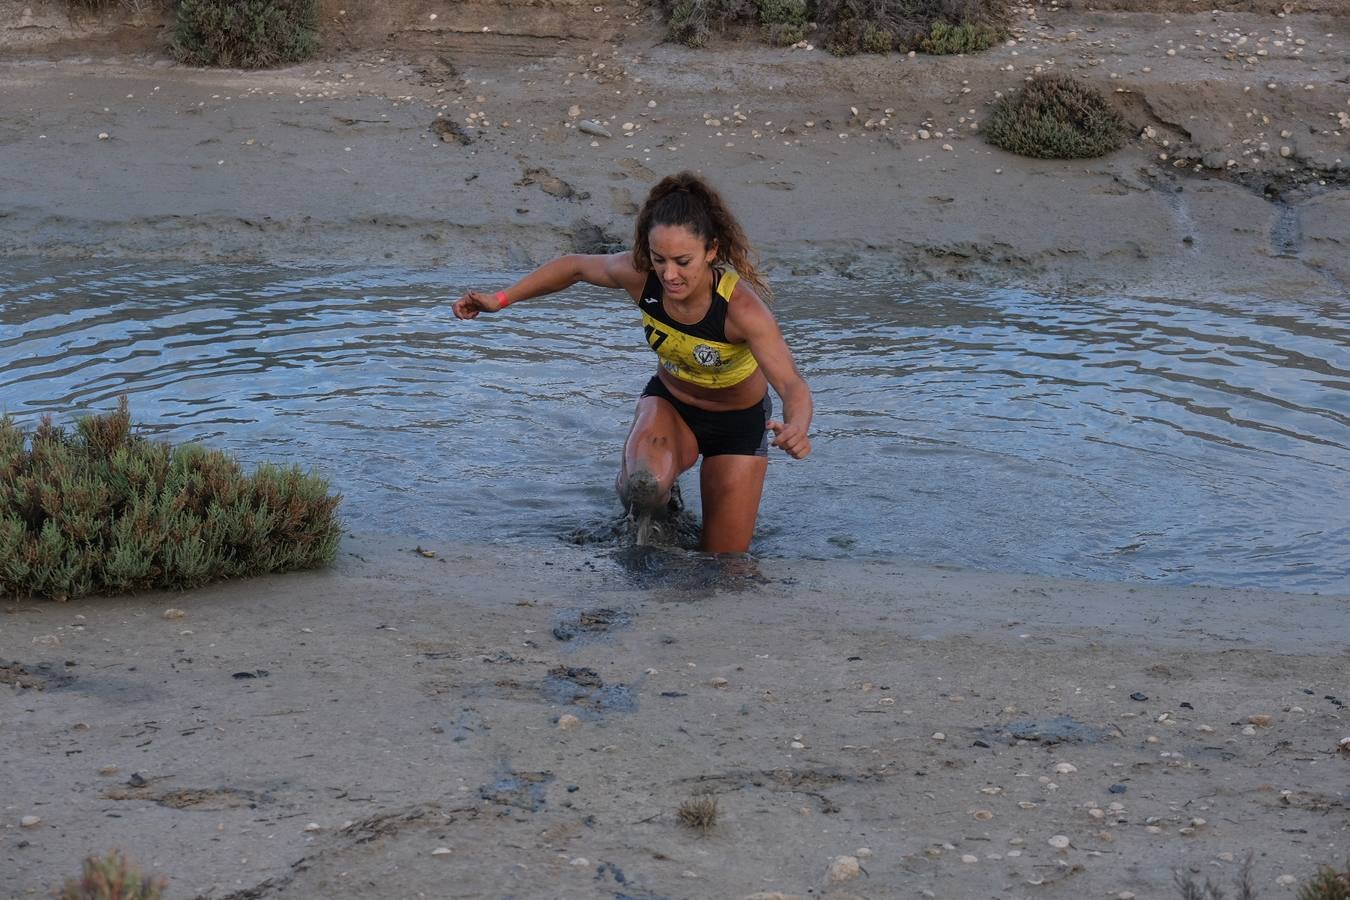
pixel 824 158
pixel 325 735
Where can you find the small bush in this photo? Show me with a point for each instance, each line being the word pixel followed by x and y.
pixel 1055 117
pixel 103 510
pixel 698 813
pixel 969 37
pixel 1327 884
pixel 783 21
pixel 111 878
pixel 245 34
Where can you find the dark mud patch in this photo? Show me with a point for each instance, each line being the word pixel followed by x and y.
pixel 585 625
pixel 582 687
pixel 451 132
pixel 39 677
pixel 521 790
pixel 1059 730
pixel 207 799
pixel 551 184
pixel 697 574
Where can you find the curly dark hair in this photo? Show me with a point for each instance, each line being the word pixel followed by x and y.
pixel 689 200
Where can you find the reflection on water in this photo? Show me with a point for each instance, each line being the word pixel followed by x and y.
pixel 1103 437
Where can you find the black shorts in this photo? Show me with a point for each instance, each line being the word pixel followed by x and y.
pixel 737 432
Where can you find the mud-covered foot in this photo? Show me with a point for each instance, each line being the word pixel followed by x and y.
pixel 642 495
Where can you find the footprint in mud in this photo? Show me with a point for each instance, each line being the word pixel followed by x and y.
pixel 522 790
pixel 583 688
pixel 589 623
pixel 551 184
pixel 39 678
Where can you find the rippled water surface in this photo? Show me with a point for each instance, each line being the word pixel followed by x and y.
pixel 1104 437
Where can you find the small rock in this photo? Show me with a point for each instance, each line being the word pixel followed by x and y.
pixel 313 826
pixel 863 852
pixel 573 111
pixel 845 868
pixel 567 722
pixel 108 770
pixel 1286 879
pixel 983 815
pixel 1065 768
pixel 172 613
pixel 939 736
pixel 441 851
pixel 923 134
pixel 1139 696
pixel 103 136
pixel 1260 721
pixel 30 822
pixel 580 862
pixel 1059 842
pixel 592 127
pixel 1286 151
pixel 797 745
pixel 1249 730
pixel 1344 745
pixel 969 858
pixel 719 682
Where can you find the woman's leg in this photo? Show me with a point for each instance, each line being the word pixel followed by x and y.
pixel 659 447
pixel 731 486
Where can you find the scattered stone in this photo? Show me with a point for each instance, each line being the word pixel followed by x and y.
pixel 719 682
pixel 983 815
pixel 103 136
pixel 580 862
pixel 108 770
pixel 592 127
pixel 939 736
pixel 313 826
pixel 30 822
pixel 863 852
pixel 441 851
pixel 172 613
pixel 567 722
pixel 1065 768
pixel 1286 879
pixel 845 868
pixel 1344 745
pixel 969 858
pixel 1059 842
pixel 1139 696
pixel 1260 721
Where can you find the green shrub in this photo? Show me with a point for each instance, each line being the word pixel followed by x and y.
pixel 111 878
pixel 1055 117
pixel 783 21
pixel 968 37
pixel 1327 884
pixel 245 34
pixel 104 510
pixel 879 26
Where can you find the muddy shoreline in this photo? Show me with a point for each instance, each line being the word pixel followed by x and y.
pixel 465 152
pixel 539 719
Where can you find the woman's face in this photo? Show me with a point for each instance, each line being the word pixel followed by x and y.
pixel 680 259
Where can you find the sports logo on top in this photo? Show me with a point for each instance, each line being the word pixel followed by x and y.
pixel 707 356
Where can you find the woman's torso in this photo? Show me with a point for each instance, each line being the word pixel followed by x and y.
pixel 691 340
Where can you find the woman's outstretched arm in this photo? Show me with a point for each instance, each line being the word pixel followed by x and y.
pixel 614 270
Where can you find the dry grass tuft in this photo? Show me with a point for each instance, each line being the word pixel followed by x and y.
pixel 698 813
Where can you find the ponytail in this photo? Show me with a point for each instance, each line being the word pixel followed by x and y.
pixel 688 200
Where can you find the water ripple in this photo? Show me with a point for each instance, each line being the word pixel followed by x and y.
pixel 1101 437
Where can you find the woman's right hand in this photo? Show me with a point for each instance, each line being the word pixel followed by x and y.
pixel 474 302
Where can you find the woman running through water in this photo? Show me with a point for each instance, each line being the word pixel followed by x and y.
pixel 718 349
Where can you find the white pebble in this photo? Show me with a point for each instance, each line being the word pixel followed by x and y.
pixel 103 136
pixel 1059 842
pixel 567 721
pixel 579 862
pixel 939 736
pixel 313 826
pixel 863 852
pixel 441 851
pixel 1286 879
pixel 1065 768
pixel 173 613
pixel 30 822
pixel 969 858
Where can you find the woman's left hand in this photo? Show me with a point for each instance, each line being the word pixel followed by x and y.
pixel 791 438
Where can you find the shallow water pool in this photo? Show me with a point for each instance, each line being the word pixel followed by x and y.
pixel 1103 437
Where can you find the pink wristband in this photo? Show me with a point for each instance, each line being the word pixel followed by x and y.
pixel 501 299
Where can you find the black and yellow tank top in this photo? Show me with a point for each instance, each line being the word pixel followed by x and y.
pixel 700 353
